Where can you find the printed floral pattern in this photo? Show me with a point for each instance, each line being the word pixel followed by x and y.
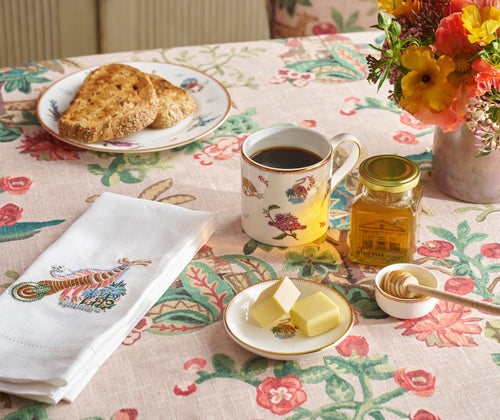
pixel 15 185
pixel 43 146
pixel 281 396
pixel 286 222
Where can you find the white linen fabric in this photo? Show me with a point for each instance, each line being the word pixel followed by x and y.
pixel 77 302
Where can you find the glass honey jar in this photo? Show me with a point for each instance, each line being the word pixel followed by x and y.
pixel 384 213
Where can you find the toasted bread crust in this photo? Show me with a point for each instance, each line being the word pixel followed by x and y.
pixel 114 101
pixel 174 103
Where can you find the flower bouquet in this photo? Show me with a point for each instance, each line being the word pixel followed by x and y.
pixel 442 58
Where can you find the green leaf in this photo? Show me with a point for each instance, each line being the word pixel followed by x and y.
pixel 477 237
pixel 206 287
pixel 29 412
pixel 339 389
pixel 493 268
pixel 443 233
pixel 23 230
pixel 314 374
pixel 9 134
pixel 182 316
pixel 463 230
pixel 223 364
pixel 286 367
pixel 496 358
pixel 255 366
pixel 328 414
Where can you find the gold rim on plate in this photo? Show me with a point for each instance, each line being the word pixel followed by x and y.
pixel 247 333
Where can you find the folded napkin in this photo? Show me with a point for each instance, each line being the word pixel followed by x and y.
pixel 78 301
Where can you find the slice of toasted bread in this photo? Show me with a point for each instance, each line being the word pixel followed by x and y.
pixel 114 101
pixel 174 103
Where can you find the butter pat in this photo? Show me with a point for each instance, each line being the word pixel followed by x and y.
pixel 274 302
pixel 315 314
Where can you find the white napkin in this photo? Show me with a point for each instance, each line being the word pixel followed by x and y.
pixel 52 344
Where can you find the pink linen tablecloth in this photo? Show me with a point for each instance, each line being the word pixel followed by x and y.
pixel 178 361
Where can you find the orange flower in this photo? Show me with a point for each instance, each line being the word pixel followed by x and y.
pixel 426 85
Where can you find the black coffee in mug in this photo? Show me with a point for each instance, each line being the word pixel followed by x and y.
pixel 284 157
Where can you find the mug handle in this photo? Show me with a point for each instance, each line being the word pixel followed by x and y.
pixel 351 161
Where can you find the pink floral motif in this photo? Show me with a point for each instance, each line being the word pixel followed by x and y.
pixel 281 395
pixel 351 111
pixel 143 325
pixel 224 148
pixel 10 214
pixel 437 249
pixel 408 119
pixel 294 77
pixel 423 415
pixel 459 285
pixel 17 186
pixel 491 250
pixel 191 388
pixel 308 123
pixel 405 137
pixel 445 326
pixel 44 146
pixel 195 364
pixel 286 222
pixel 420 382
pixel 353 343
pixel 126 414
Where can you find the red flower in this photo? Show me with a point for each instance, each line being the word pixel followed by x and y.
pixel 437 249
pixel 420 382
pixel 10 214
pixel 17 185
pixel 281 395
pixel 353 343
pixel 126 414
pixel 405 137
pixel 459 285
pixel 44 146
pixel 185 392
pixel 491 250
pixel 424 415
pixel 195 364
pixel 324 28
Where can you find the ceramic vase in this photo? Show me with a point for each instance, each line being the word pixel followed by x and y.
pixel 458 173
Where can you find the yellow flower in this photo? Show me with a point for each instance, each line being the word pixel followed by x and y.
pixel 426 85
pixel 482 26
pixel 399 8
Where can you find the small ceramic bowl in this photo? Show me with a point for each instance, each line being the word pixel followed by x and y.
pixel 406 308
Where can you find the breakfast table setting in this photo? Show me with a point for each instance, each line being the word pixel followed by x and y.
pixel 129 266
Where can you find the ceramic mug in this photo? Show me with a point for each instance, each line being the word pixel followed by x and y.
pixel 287 206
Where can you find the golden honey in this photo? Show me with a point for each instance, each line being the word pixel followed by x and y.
pixel 384 213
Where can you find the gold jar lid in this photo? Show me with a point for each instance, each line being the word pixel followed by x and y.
pixel 389 173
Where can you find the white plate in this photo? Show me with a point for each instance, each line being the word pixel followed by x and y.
pixel 212 100
pixel 284 343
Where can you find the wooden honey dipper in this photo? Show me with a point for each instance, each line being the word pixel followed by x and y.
pixel 402 284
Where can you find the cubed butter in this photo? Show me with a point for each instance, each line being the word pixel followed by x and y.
pixel 274 302
pixel 315 314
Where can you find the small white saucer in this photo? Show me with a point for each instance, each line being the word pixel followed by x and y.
pixel 284 342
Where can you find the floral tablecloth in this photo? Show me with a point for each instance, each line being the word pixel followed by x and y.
pixel 178 361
